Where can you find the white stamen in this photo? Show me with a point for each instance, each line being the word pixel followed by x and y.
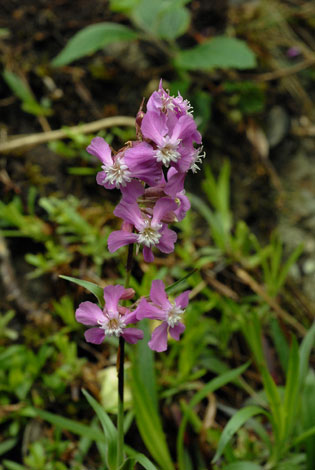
pixel 150 236
pixel 112 326
pixel 168 152
pixel 174 315
pixel 197 159
pixel 167 101
pixel 117 173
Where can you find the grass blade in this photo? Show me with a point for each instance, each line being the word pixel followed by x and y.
pixel 235 423
pixel 209 388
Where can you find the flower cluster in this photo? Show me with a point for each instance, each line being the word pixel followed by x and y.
pixel 113 319
pixel 150 173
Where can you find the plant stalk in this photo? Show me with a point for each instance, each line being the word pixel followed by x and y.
pixel 120 370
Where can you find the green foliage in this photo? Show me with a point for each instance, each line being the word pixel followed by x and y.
pixel 219 52
pixel 91 39
pixel 23 92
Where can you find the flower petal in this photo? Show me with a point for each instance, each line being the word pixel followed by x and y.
pixel 175 182
pixel 147 310
pixel 167 240
pixel 120 238
pixel 112 295
pixel 154 127
pixel 148 254
pixel 177 330
pixel 130 213
pixel 158 294
pixel 94 335
pixel 132 191
pixel 100 149
pixel 132 335
pixel 182 299
pixel 163 207
pixel 158 341
pixel 142 164
pixel 88 313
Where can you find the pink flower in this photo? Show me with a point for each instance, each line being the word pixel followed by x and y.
pixel 170 136
pixel 162 101
pixel 134 162
pixel 161 308
pixel 151 229
pixel 112 320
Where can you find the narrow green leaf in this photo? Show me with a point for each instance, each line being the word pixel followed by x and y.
pixel 304 352
pixel 141 459
pixel 235 423
pixel 9 465
pixel 209 388
pixel 291 403
pixel 143 362
pixel 169 289
pixel 68 424
pixel 243 465
pixel 149 424
pixel 90 286
pixel 17 85
pixel 7 445
pixel 305 435
pixel 220 52
pixel 275 403
pixel 91 39
pixel 109 429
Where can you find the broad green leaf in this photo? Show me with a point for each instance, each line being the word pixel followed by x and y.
pixel 123 6
pixel 149 424
pixel 219 52
pixel 304 352
pixel 243 465
pixel 68 424
pixel 209 388
pixel 173 23
pixel 90 286
pixel 109 429
pixel 91 39
pixel 235 423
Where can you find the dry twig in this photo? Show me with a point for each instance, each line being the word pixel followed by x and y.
pixel 43 137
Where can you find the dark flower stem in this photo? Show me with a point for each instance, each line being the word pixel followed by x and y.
pixel 120 369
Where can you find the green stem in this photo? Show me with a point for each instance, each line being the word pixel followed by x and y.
pixel 120 369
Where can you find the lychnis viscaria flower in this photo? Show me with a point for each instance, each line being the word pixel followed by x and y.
pixel 160 307
pixel 133 161
pixel 151 231
pixel 112 320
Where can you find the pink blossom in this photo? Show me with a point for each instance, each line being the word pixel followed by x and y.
pixel 169 312
pixel 170 137
pixel 151 231
pixel 112 320
pixel 162 101
pixel 118 170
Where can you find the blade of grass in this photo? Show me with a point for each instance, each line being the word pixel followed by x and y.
pixel 235 423
pixel 213 385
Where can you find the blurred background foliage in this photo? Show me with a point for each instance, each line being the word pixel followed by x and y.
pixel 237 392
